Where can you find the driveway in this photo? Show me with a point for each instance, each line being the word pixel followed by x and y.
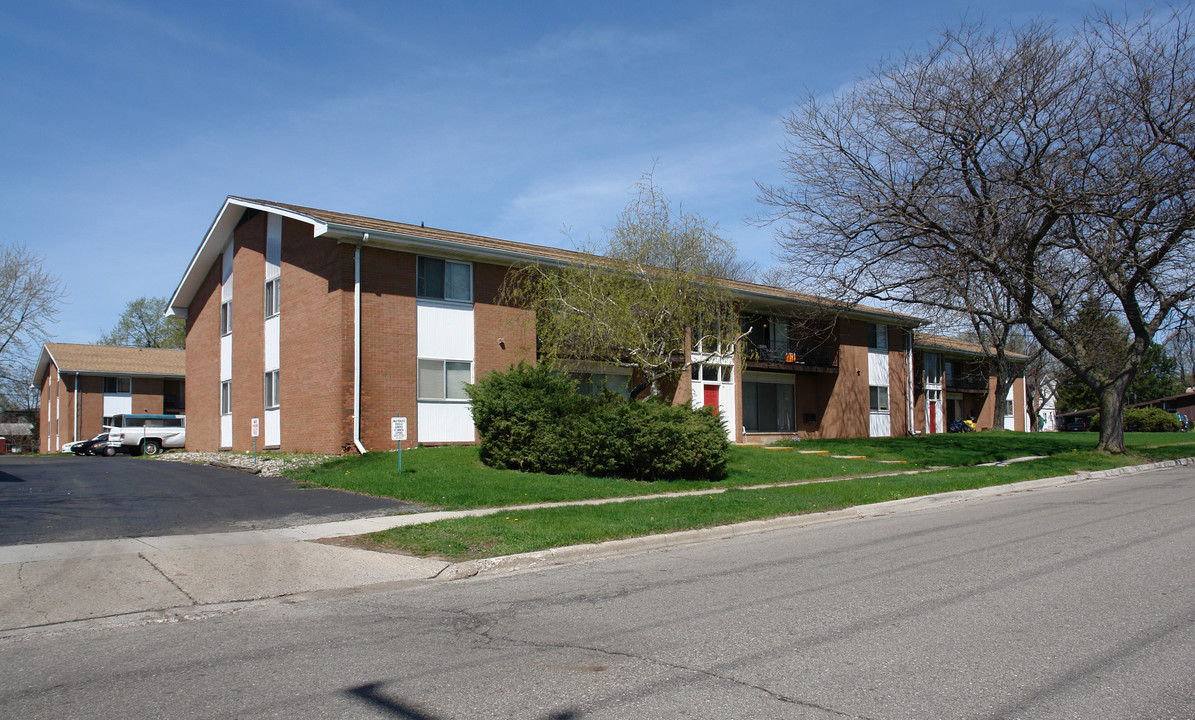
pixel 54 499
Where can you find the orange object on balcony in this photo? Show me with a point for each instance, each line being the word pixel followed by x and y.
pixel 790 357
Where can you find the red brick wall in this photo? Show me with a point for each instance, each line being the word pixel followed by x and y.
pixel 147 396
pixel 248 328
pixel 203 364
pixel 388 352
pixel 316 341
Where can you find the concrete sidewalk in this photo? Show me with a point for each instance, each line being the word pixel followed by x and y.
pixel 52 583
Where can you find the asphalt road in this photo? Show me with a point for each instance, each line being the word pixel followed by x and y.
pixel 1075 602
pixel 53 499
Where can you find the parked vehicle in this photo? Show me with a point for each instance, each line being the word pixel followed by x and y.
pixel 89 446
pixel 146 434
pixel 1078 424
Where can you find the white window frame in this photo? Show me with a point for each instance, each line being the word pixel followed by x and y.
pixel 273 301
pixel 225 318
pixel 878 401
pixel 225 397
pixel 420 273
pixel 428 364
pixel 271 390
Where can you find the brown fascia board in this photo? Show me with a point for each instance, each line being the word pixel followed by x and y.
pixel 356 229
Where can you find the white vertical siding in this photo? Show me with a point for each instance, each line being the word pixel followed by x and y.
pixel 272 420
pixel 117 403
pixel 226 343
pixel 877 374
pixel 444 332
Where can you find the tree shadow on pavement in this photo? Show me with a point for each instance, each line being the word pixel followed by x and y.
pixel 368 693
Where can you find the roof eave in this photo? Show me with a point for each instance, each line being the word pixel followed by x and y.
pixel 213 244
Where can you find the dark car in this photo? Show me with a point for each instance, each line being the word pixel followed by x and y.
pixel 1078 424
pixel 95 446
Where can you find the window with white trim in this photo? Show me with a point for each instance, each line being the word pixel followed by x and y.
pixel 271 383
pixel 226 317
pixel 879 398
pixel 444 379
pixel 272 301
pixel 226 397
pixel 443 280
pixel 118 385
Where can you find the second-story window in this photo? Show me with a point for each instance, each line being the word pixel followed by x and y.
pixel 122 385
pixel 226 317
pixel 443 279
pixel 272 301
pixel 271 386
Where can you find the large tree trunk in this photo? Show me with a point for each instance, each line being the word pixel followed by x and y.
pixel 999 398
pixel 1112 417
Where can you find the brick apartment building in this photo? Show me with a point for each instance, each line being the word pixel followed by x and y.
pixel 953 380
pixel 83 386
pixel 322 326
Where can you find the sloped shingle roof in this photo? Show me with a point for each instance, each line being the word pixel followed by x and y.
pixel 110 360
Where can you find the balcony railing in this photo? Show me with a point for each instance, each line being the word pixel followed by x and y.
pixel 823 357
pixel 967 383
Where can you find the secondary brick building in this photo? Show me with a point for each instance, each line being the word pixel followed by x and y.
pixel 83 386
pixel 322 326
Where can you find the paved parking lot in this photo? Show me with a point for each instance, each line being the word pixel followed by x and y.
pixel 54 499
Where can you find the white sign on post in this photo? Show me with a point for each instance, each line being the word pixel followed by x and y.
pixel 398 428
pixel 253 428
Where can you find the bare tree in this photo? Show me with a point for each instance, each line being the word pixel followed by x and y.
pixel 642 299
pixel 1037 166
pixel 29 300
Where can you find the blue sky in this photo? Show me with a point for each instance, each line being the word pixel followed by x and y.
pixel 126 124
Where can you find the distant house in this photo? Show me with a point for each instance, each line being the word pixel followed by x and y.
pixel 953 379
pixel 83 386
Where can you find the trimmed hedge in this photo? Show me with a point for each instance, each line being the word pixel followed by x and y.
pixel 533 420
pixel 1148 419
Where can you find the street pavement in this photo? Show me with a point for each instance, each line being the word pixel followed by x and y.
pixel 1046 602
pixel 47 584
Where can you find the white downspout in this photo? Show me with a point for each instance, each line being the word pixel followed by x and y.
pixel 357 345
pixel 75 432
pixel 910 401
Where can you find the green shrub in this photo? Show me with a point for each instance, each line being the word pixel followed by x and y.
pixel 1148 419
pixel 531 419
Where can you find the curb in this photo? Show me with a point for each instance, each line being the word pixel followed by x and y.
pixel 609 548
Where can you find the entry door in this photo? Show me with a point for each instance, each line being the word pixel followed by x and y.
pixel 711 397
pixel 933 418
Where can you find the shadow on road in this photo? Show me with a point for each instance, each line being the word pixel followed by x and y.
pixel 369 693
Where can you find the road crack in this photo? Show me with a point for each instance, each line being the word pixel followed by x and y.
pixel 168 578
pixel 483 627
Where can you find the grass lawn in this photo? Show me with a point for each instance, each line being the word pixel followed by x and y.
pixel 528 530
pixel 453 477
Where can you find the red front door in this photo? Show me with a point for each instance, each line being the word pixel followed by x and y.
pixel 711 397
pixel 933 418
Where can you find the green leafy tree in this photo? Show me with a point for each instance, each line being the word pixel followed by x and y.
pixel 642 299
pixel 142 324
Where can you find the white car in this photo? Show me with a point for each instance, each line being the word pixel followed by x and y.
pixel 146 434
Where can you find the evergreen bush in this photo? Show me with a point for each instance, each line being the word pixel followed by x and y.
pixel 533 420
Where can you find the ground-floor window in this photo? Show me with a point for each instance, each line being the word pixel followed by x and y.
pixel 879 398
pixel 768 407
pixel 444 379
pixel 597 383
pixel 271 384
